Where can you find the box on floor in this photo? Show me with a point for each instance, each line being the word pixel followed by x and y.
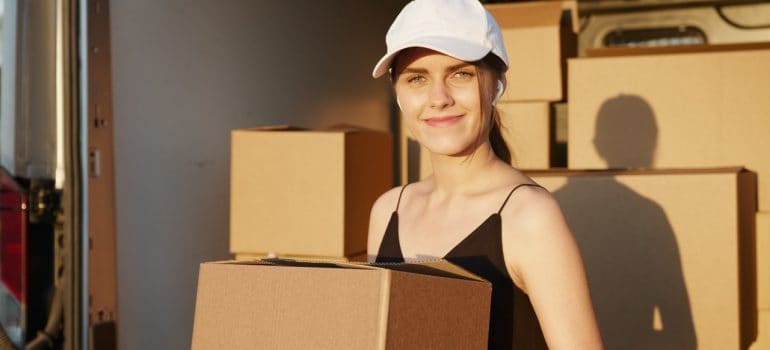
pixel 284 304
pixel 669 253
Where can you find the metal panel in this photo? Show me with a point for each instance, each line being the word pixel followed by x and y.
pixel 102 308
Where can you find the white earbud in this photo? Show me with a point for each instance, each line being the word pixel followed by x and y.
pixel 499 91
pixel 398 103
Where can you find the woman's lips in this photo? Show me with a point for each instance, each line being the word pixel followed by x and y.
pixel 443 121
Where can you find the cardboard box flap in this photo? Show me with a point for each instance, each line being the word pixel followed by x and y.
pixel 438 268
pixel 295 263
pixel 281 127
pixel 535 14
pixel 634 171
pixel 345 128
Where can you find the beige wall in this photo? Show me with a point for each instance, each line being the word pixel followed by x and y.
pixel 187 72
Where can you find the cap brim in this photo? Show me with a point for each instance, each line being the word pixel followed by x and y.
pixel 459 49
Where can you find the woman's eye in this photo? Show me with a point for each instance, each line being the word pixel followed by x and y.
pixel 415 79
pixel 463 74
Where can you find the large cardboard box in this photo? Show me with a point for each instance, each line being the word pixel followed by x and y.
pixel 538 45
pixel 306 192
pixel 526 128
pixel 763 261
pixel 672 110
pixel 279 304
pixel 669 254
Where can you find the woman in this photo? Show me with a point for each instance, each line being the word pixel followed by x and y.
pixel 446 61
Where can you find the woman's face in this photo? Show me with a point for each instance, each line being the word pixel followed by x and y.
pixel 440 102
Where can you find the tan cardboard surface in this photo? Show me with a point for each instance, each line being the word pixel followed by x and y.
pixel 763 261
pixel 305 192
pixel 677 244
pixel 672 110
pixel 317 305
pixel 534 39
pixel 526 131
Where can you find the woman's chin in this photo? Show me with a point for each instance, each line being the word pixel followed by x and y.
pixel 450 150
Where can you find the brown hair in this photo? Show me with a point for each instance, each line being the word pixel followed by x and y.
pixel 491 68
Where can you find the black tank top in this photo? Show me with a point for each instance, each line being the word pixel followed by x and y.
pixel 481 253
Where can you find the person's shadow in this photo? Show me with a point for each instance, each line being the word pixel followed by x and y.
pixel 630 252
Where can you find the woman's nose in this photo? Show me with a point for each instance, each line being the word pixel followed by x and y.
pixel 440 95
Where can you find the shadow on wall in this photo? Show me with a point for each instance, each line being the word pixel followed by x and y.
pixel 634 271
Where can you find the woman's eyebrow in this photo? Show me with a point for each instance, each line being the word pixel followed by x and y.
pixel 414 70
pixel 458 66
pixel 448 69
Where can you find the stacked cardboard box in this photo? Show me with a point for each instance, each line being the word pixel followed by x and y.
pixel 285 304
pixel 539 39
pixel 672 110
pixel 706 106
pixel 668 253
pixel 306 193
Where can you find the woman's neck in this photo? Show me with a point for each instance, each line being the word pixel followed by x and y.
pixel 463 175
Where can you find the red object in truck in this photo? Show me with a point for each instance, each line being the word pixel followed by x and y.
pixel 13 236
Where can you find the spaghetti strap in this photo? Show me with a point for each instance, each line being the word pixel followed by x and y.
pixel 399 196
pixel 514 190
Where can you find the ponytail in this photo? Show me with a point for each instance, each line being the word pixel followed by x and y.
pixel 491 72
pixel 499 146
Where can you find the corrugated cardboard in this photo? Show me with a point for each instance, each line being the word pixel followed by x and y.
pixel 306 192
pixel 525 128
pixel 313 305
pixel 763 261
pixel 538 46
pixel 672 245
pixel 672 110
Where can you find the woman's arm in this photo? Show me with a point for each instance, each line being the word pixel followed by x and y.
pixel 544 257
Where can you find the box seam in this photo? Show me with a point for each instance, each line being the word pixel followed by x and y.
pixel 382 328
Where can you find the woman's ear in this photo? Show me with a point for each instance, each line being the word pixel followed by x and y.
pixel 498 91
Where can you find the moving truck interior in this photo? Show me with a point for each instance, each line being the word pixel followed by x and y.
pixel 117 119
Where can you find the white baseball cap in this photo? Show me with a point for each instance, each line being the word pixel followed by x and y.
pixel 462 29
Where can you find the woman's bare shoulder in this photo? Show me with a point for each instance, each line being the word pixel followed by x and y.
pixel 531 217
pixel 386 202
